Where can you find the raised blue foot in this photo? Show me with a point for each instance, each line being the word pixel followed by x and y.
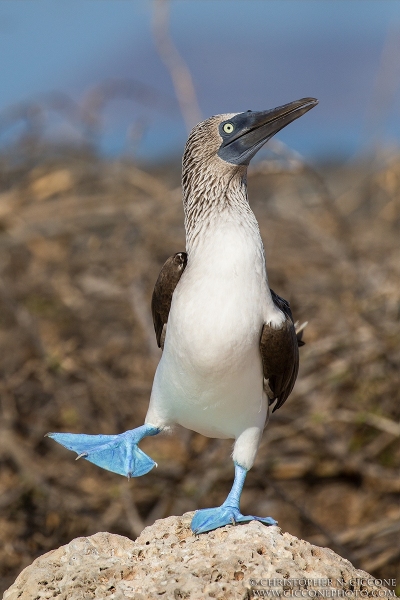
pixel 117 453
pixel 228 513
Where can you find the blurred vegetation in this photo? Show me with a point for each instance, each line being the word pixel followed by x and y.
pixel 82 240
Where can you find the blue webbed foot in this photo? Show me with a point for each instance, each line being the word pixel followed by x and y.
pixel 228 513
pixel 208 519
pixel 117 453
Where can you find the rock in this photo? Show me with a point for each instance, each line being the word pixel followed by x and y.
pixel 168 561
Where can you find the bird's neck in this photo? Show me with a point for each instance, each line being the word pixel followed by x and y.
pixel 210 199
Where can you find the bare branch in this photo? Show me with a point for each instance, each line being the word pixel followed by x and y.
pixel 177 68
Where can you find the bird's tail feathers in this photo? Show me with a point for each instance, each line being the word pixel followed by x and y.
pixel 299 332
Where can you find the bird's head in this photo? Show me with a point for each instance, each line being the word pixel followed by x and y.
pixel 228 142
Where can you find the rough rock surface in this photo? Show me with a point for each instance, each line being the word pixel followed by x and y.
pixel 168 561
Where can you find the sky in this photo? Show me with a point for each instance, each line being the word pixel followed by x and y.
pixel 242 54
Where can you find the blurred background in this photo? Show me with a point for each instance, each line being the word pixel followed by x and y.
pixel 96 101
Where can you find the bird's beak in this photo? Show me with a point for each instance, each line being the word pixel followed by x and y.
pixel 253 129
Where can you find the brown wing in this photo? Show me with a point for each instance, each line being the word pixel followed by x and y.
pixel 165 286
pixel 285 308
pixel 280 355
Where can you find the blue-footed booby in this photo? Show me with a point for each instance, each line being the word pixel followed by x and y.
pixel 229 343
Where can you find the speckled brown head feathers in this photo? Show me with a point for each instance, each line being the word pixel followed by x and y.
pixel 209 184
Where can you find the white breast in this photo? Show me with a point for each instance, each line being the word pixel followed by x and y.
pixel 210 375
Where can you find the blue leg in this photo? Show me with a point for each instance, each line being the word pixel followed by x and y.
pixel 117 453
pixel 228 513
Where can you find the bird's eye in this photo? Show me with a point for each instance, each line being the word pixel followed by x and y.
pixel 228 128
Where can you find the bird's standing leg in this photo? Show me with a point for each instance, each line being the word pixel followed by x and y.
pixel 117 453
pixel 244 453
pixel 229 512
